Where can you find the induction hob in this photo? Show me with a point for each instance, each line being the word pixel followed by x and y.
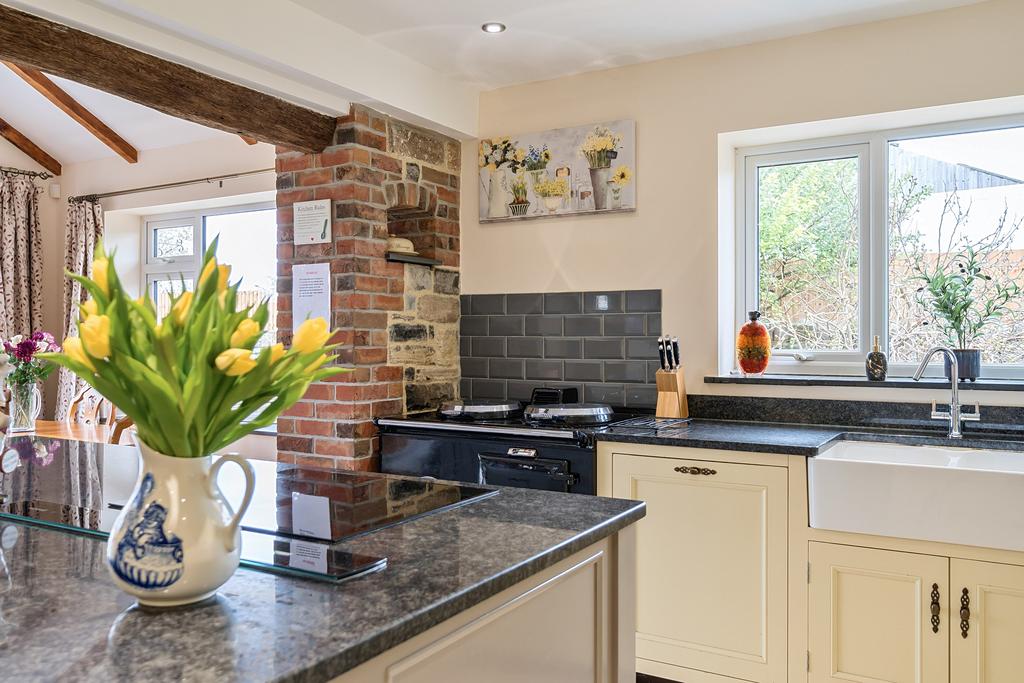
pixel 298 523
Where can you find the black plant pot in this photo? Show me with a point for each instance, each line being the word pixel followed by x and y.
pixel 968 361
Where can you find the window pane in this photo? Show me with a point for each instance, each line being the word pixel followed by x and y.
pixel 955 205
pixel 173 242
pixel 163 291
pixel 808 254
pixel 248 241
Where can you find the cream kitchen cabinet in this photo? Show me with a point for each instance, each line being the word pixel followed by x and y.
pixel 711 567
pixel 987 631
pixel 871 616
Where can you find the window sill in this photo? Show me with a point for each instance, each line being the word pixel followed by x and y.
pixel 854 381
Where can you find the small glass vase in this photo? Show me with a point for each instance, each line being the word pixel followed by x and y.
pixel 25 406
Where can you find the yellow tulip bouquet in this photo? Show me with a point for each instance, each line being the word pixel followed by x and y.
pixel 191 382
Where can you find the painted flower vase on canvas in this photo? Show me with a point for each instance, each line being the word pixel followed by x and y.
pixel 552 193
pixel 596 163
pixel 498 158
pixel 519 204
pixel 753 347
pixel 621 177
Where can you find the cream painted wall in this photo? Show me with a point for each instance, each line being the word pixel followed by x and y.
pixel 155 167
pixel 122 235
pixel 681 106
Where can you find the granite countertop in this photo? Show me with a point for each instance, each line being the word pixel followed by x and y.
pixel 759 437
pixel 61 618
pixel 808 440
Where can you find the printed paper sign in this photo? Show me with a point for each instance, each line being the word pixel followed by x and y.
pixel 309 556
pixel 311 293
pixel 312 222
pixel 311 515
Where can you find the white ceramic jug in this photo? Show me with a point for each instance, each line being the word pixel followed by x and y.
pixel 177 540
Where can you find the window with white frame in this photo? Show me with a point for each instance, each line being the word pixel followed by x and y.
pixel 841 240
pixel 247 239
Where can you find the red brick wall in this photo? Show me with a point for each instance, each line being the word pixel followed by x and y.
pixel 332 424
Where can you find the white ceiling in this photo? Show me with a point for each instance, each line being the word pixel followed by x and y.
pixel 551 38
pixel 68 142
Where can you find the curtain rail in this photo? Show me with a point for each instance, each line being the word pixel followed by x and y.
pixel 166 186
pixel 42 175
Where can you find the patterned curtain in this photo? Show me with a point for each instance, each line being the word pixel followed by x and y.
pixel 21 256
pixel 84 229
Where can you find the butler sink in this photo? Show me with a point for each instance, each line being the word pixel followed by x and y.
pixel 932 493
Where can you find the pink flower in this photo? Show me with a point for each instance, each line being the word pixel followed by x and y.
pixel 25 350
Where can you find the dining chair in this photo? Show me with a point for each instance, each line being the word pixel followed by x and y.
pixel 91 409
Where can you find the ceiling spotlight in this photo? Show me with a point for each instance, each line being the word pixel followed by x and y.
pixel 493 27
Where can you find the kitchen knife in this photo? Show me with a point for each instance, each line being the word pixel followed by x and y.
pixel 675 352
pixel 662 352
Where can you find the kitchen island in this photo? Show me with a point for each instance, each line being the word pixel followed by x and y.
pixel 518 585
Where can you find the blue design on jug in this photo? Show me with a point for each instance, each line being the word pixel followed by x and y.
pixel 147 556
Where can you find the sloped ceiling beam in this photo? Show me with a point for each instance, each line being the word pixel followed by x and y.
pixel 70 106
pixel 159 84
pixel 34 151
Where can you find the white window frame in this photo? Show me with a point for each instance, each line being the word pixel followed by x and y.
pixel 748 273
pixel 873 150
pixel 154 269
pixel 151 224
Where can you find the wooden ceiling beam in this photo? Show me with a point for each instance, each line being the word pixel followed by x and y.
pixel 70 106
pixel 159 84
pixel 249 140
pixel 34 151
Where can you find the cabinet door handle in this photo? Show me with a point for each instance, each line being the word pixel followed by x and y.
pixel 683 469
pixel 936 608
pixel 965 612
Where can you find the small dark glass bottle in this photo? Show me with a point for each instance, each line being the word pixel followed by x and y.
pixel 876 366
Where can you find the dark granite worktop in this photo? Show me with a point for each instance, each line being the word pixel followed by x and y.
pixel 61 618
pixel 787 439
pixel 810 440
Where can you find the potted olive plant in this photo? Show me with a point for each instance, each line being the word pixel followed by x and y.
pixel 962 300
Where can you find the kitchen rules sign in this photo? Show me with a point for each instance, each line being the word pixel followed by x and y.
pixel 312 222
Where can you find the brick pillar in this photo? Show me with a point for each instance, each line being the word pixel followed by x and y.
pixel 332 425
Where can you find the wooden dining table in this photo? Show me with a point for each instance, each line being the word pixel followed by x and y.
pixel 79 432
pixel 254 446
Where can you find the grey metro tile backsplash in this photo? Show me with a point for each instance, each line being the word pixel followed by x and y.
pixel 604 344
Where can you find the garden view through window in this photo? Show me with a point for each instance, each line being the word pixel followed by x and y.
pixel 247 241
pixel 808 244
pixel 952 244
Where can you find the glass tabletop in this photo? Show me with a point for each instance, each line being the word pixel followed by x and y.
pixel 298 519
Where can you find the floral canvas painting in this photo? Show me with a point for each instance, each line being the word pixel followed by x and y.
pixel 586 169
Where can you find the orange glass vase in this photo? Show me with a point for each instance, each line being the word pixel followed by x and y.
pixel 753 347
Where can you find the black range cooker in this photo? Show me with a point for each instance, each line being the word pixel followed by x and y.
pixel 547 445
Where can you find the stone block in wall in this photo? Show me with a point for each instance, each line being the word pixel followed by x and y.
pixel 446 281
pixel 428 396
pixel 438 308
pixel 412 142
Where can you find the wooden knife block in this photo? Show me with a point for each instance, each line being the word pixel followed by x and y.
pixel 671 394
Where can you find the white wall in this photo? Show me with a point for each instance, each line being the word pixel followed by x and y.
pixel 122 235
pixel 681 107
